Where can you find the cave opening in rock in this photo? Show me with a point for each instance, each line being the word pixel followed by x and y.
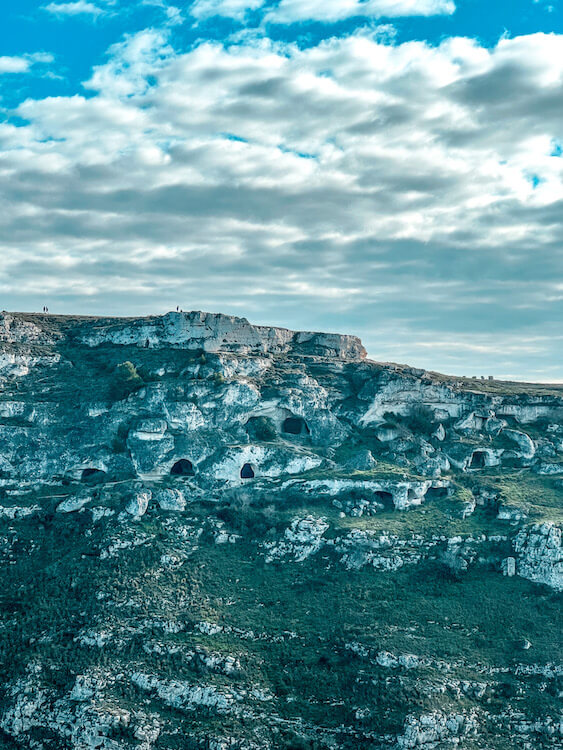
pixel 261 428
pixel 412 494
pixel 247 472
pixel 92 476
pixel 295 426
pixel 183 468
pixel 478 460
pixel 385 498
pixel 434 493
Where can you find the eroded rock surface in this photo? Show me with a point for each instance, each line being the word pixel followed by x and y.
pixel 221 535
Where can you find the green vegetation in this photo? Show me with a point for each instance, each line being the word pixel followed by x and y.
pixel 126 381
pixel 420 419
pixel 470 623
pixel 540 497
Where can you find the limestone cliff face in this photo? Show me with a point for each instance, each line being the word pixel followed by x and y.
pixel 250 537
pixel 219 333
pixel 540 554
pixel 203 409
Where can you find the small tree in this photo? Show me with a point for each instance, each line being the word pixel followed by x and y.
pixel 126 380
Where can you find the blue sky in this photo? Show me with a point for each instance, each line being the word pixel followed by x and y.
pixel 390 168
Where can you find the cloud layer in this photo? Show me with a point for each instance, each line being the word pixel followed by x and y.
pixel 78 8
pixel 291 11
pixel 409 193
pixel 327 11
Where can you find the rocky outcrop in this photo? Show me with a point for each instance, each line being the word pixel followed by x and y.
pixel 437 730
pixel 82 720
pixel 540 554
pixel 184 696
pixel 301 540
pixel 523 441
pixel 18 329
pixel 371 495
pixel 212 332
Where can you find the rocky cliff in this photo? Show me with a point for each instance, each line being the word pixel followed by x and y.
pixel 221 535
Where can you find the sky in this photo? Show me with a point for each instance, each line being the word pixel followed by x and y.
pixel 387 168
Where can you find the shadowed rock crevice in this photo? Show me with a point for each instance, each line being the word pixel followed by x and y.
pixel 92 476
pixel 295 426
pixel 478 460
pixel 182 468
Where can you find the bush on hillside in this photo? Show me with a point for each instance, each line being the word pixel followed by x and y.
pixel 125 381
pixel 420 419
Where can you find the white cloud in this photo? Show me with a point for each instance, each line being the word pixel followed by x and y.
pixel 24 63
pixel 397 180
pixel 41 58
pixel 292 11
pixel 173 14
pixel 131 63
pixel 78 8
pixel 14 64
pixel 227 8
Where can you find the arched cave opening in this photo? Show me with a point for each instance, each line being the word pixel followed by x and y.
pixel 478 460
pixel 385 498
pixel 435 493
pixel 247 472
pixel 92 476
pixel 295 426
pixel 261 428
pixel 183 468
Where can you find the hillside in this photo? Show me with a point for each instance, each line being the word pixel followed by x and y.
pixel 225 536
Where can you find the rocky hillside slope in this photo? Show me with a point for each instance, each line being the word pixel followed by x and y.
pixel 225 536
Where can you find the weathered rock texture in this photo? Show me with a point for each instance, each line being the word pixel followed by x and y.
pixel 220 535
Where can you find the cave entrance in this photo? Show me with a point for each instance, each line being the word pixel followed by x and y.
pixel 92 476
pixel 247 472
pixel 478 460
pixel 183 468
pixel 435 493
pixel 385 498
pixel 295 426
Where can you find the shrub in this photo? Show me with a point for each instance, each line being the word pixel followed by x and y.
pixel 420 419
pixel 125 381
pixel 247 520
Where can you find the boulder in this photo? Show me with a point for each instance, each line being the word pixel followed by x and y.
pixel 439 433
pixel 523 441
pixel 170 499
pixel 361 461
pixel 138 503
